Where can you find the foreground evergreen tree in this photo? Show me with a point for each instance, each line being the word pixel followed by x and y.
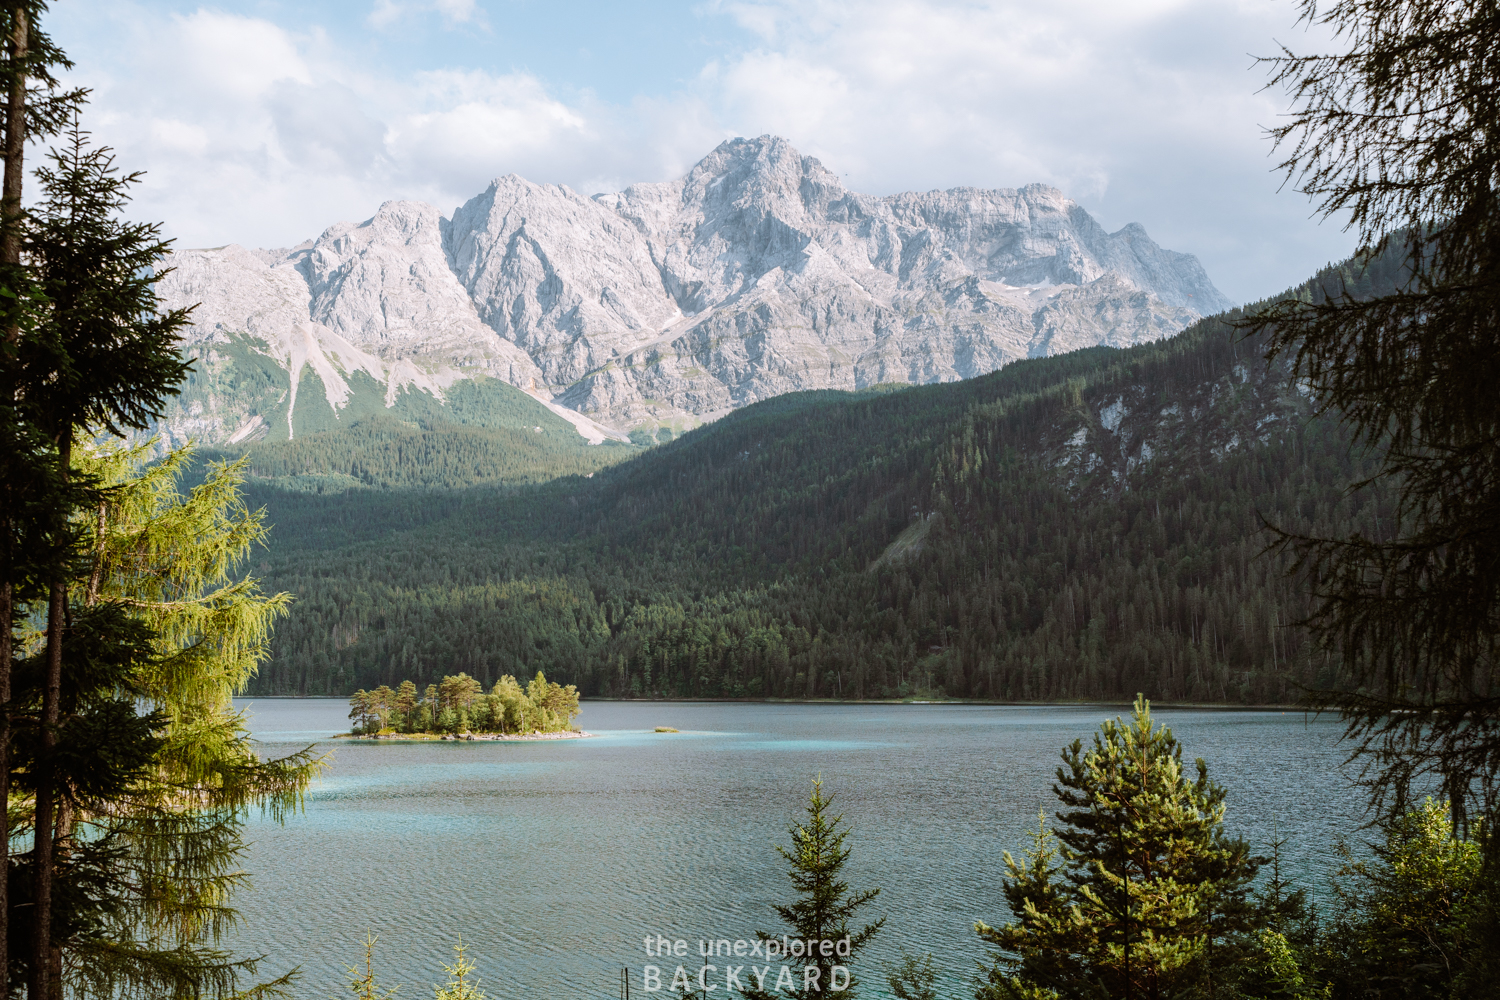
pixel 174 836
pixel 1410 914
pixel 913 979
pixel 101 746
pixel 1401 133
pixel 136 773
pixel 152 768
pixel 462 983
pixel 35 107
pixel 96 356
pixel 364 985
pixel 1139 893
pixel 823 908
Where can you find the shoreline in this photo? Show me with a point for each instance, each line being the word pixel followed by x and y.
pixel 572 734
pixel 1225 706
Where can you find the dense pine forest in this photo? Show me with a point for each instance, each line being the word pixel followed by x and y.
pixel 1079 527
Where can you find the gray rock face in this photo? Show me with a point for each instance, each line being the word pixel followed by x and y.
pixel 669 304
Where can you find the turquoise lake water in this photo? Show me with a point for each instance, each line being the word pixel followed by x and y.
pixel 555 859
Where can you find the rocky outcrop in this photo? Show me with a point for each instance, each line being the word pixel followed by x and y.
pixel 668 304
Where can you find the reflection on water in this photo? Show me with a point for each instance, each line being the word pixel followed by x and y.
pixel 555 859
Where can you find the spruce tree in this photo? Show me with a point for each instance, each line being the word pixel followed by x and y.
pixel 462 983
pixel 100 358
pixel 364 985
pixel 139 770
pixel 1403 921
pixel 824 904
pixel 1398 131
pixel 1138 893
pixel 34 108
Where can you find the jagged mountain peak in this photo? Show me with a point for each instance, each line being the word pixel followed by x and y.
pixel 764 173
pixel 668 303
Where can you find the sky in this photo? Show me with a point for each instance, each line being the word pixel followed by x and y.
pixel 262 122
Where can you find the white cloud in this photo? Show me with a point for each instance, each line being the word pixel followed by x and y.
pixel 226 56
pixel 171 135
pixel 963 93
pixel 1146 111
pixel 387 13
pixel 256 134
pixel 264 133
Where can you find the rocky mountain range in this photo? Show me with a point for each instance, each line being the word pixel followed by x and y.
pixel 666 304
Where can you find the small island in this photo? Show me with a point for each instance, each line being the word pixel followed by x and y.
pixel 457 707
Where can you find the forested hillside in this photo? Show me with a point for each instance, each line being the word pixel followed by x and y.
pixel 1086 526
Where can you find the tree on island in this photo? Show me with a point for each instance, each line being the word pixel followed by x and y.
pixel 1139 893
pixel 372 710
pixel 406 703
pixel 458 704
pixel 823 907
pixel 457 693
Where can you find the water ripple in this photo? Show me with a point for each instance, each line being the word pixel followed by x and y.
pixel 555 859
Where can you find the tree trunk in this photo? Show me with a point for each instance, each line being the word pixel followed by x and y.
pixel 63 844
pixel 10 254
pixel 6 652
pixel 46 791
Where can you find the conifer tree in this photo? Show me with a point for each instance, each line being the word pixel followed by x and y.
pixel 360 710
pixel 97 356
pixel 364 985
pixel 462 983
pixel 824 905
pixel 34 108
pixel 1403 924
pixel 135 825
pixel 162 850
pixel 406 703
pixel 914 979
pixel 1138 893
pixel 1398 131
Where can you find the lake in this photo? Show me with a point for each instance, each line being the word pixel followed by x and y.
pixel 556 859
